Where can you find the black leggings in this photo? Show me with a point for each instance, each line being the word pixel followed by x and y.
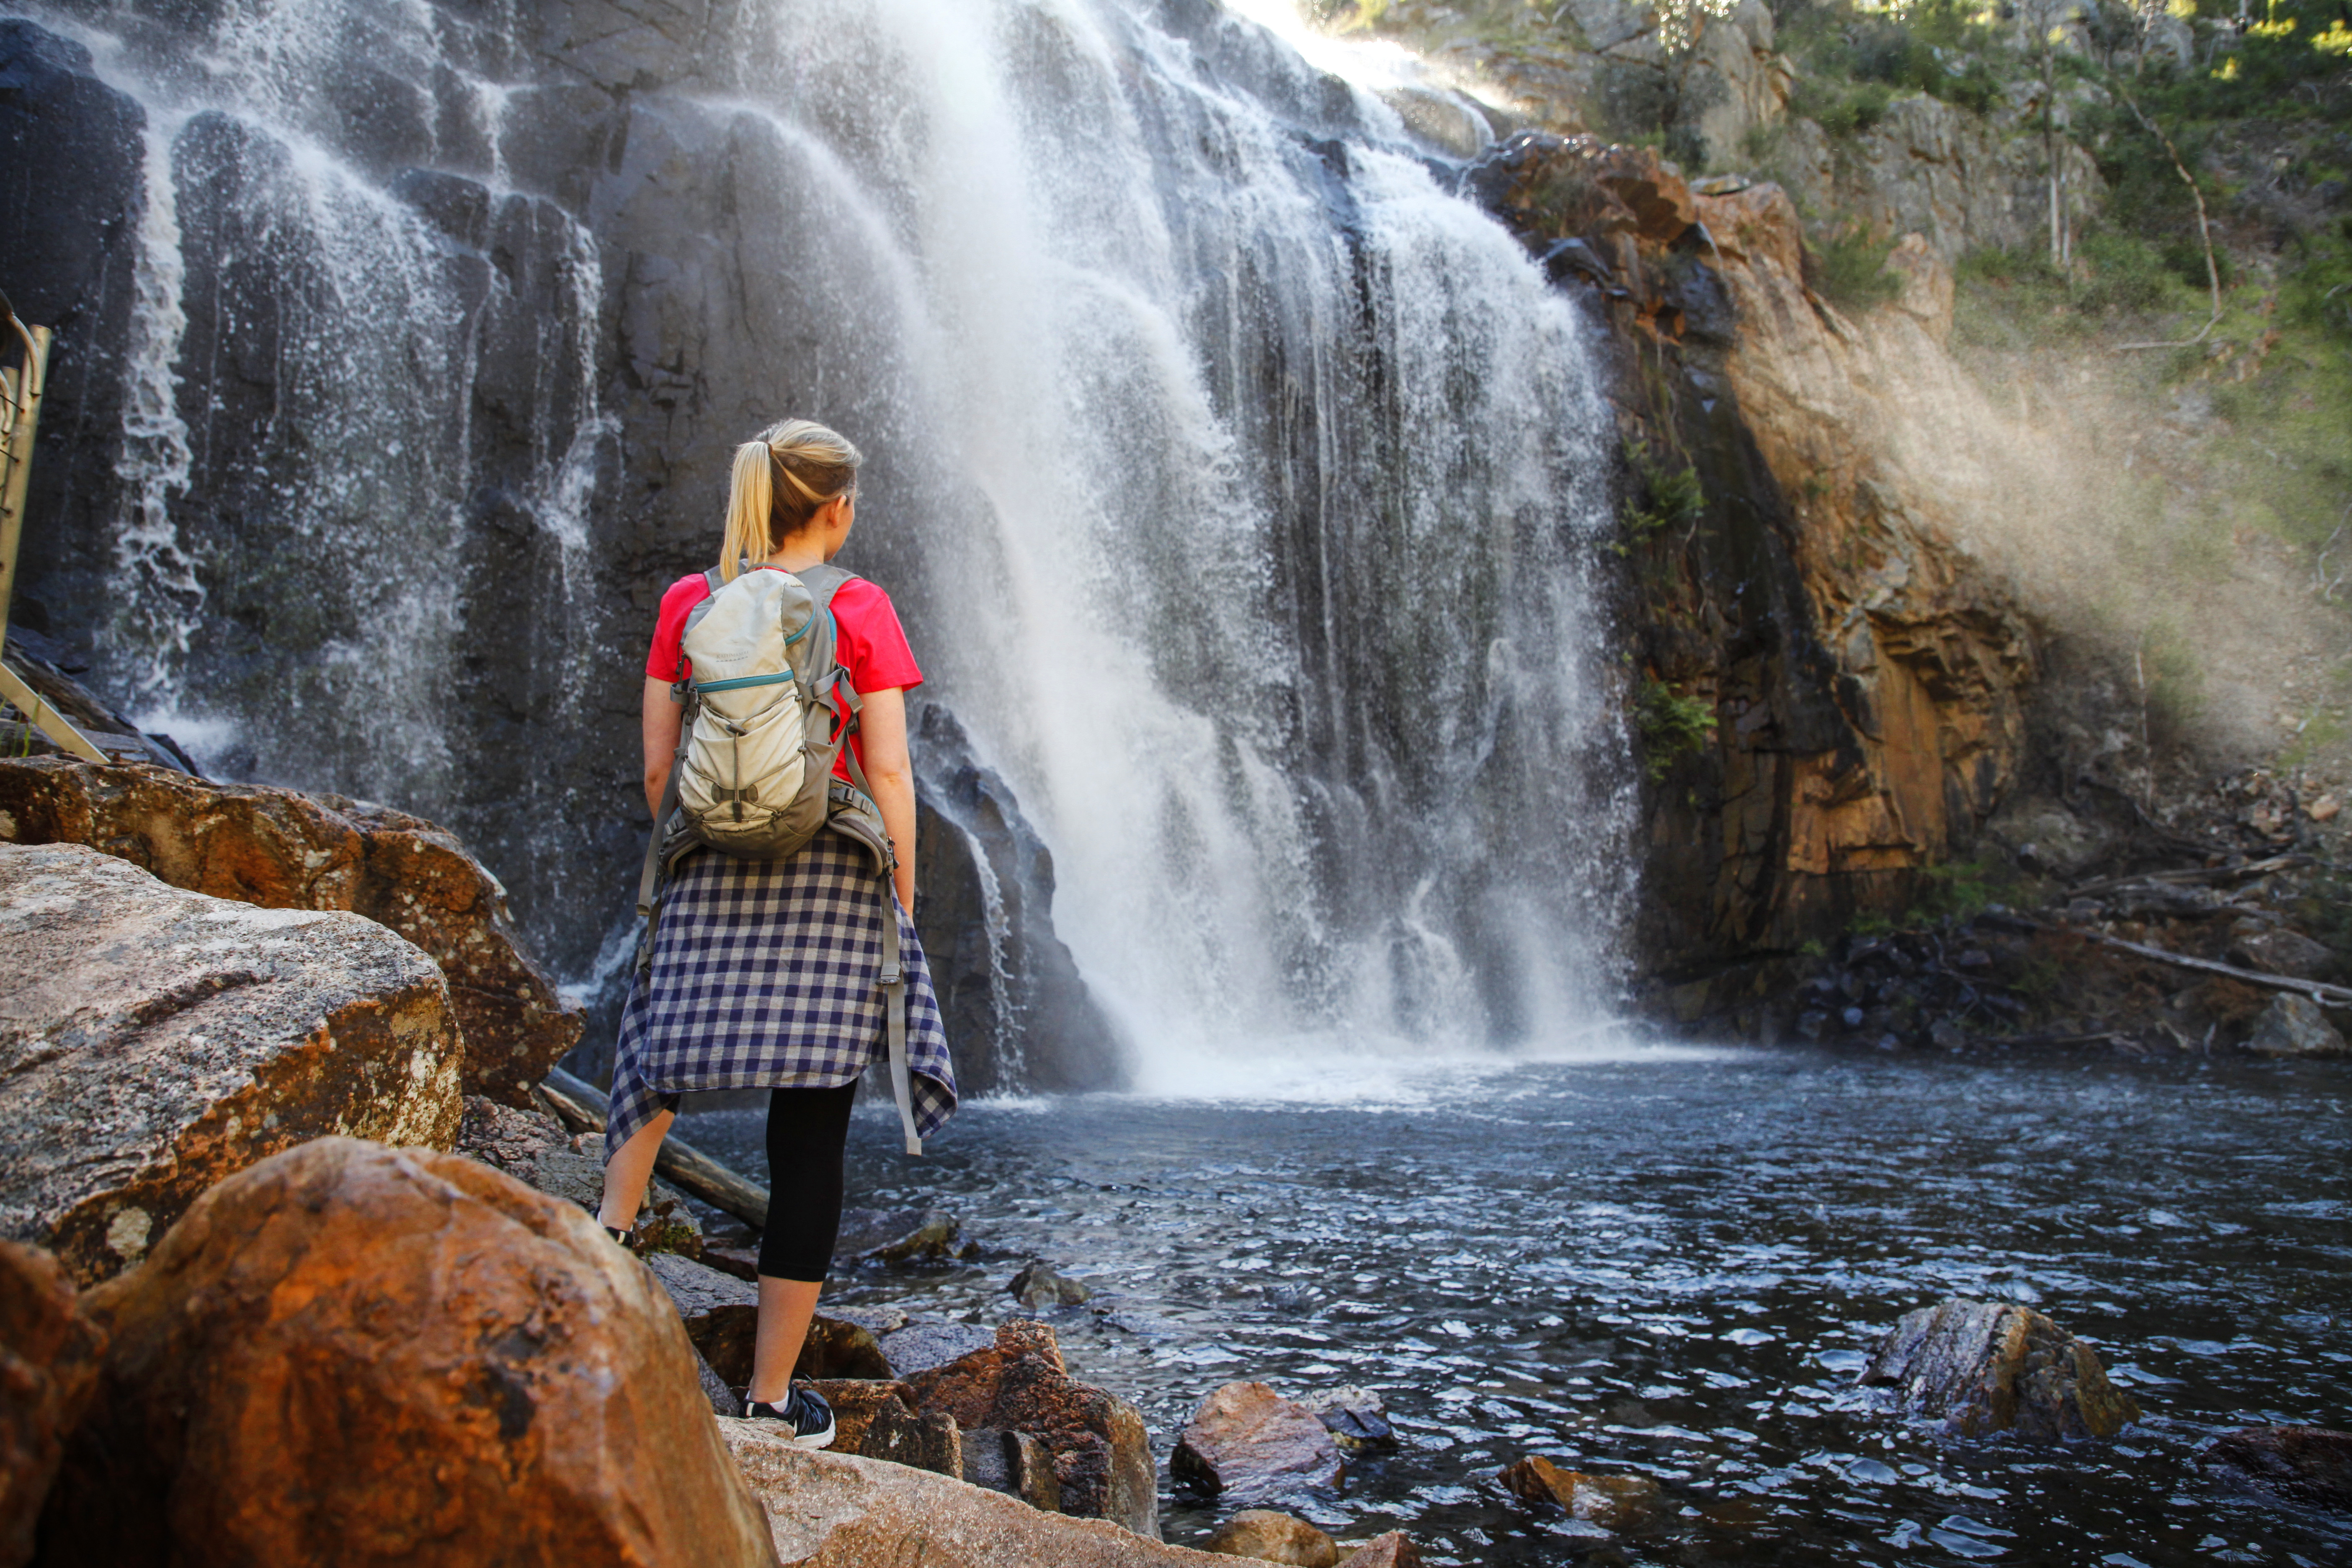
pixel 807 1131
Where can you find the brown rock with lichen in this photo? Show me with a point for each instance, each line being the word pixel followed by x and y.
pixel 1988 1367
pixel 49 1366
pixel 361 1355
pixel 1266 1536
pixel 1247 1442
pixel 154 1041
pixel 285 851
pixel 1102 1453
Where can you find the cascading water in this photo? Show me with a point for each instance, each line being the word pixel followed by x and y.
pixel 1240 485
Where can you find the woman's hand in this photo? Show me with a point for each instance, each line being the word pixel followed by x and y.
pixel 663 720
pixel 882 731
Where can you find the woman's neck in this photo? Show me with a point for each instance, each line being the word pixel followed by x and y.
pixel 797 555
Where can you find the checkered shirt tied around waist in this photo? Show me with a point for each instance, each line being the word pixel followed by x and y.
pixel 765 974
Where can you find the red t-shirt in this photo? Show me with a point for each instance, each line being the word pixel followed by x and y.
pixel 868 641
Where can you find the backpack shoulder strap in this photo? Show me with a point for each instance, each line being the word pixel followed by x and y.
pixel 825 581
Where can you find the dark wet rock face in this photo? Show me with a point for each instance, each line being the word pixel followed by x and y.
pixel 158 1040
pixel 1015 1007
pixel 2306 1464
pixel 1990 1368
pixel 69 209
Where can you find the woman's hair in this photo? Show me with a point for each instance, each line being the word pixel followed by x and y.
pixel 779 482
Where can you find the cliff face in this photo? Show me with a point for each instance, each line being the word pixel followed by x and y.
pixel 1850 679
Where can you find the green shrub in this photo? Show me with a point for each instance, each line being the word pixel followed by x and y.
pixel 1670 498
pixel 1672 727
pixel 1850 271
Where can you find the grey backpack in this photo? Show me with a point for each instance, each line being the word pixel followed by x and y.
pixel 768 711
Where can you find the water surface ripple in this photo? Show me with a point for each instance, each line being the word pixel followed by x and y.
pixel 1673 1266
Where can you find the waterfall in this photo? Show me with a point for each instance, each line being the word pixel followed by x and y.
pixel 1242 488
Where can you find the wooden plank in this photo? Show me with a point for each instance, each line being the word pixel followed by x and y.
pixel 584 1106
pixel 47 719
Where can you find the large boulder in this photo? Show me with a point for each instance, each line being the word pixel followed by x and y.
pixel 2295 1027
pixel 285 851
pixel 154 1041
pixel 361 1355
pixel 1989 1367
pixel 48 1366
pixel 2306 1464
pixel 1247 1443
pixel 837 1511
pixel 1102 1453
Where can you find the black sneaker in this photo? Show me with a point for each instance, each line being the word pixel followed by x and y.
pixel 805 1411
pixel 620 1237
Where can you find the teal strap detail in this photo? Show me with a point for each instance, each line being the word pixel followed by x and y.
pixel 743 680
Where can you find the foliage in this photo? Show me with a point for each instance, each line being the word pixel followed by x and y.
pixel 1672 727
pixel 1849 270
pixel 1961 890
pixel 1671 497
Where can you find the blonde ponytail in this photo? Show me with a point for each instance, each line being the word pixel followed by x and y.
pixel 818 465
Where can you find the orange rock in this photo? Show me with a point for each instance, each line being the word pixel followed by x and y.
pixel 1266 1536
pixel 1613 1502
pixel 360 1355
pixel 48 1366
pixel 1102 1454
pixel 285 851
pixel 1394 1550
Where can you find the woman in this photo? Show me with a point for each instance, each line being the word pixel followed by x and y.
pixel 765 973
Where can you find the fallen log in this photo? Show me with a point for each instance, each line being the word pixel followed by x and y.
pixel 2319 992
pixel 2184 878
pixel 584 1106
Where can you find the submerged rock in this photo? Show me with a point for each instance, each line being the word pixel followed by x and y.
pixel 2295 1027
pixel 1988 1367
pixel 1247 1442
pixel 49 1367
pixel 1042 1285
pixel 894 1236
pixel 839 1509
pixel 1613 1502
pixel 285 851
pixel 368 1356
pixel 2306 1464
pixel 1102 1452
pixel 157 1040
pixel 1356 1417
pixel 1270 1537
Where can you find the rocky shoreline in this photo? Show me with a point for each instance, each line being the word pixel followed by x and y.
pixel 233 1331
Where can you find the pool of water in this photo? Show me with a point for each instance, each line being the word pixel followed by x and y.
pixel 1671 1263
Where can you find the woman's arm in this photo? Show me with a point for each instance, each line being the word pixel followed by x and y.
pixel 663 720
pixel 882 728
